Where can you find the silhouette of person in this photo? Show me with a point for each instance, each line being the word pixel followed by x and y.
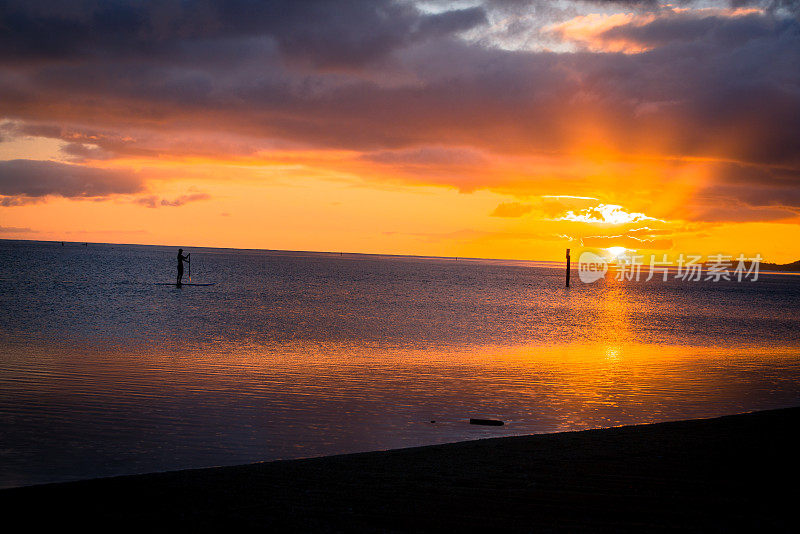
pixel 181 259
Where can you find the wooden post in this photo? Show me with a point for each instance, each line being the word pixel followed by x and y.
pixel 567 268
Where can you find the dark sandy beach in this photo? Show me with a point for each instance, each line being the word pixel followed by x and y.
pixel 734 473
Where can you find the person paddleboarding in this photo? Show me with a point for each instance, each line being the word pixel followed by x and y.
pixel 181 259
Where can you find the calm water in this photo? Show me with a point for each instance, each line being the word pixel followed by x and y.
pixel 103 372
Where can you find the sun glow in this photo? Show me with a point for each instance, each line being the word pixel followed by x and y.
pixel 616 252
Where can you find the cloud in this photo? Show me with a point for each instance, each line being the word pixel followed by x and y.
pixel 80 152
pixel 727 211
pixel 626 241
pixel 636 33
pixel 447 92
pixel 326 34
pixel 410 95
pixel 428 156
pixel 511 209
pixel 568 197
pixel 592 30
pixel 14 230
pixel 649 232
pixel 153 201
pixel 183 199
pixel 606 214
pixel 734 27
pixel 8 202
pixel 740 193
pixel 23 181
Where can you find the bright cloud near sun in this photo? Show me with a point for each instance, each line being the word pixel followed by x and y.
pixel 606 214
pixel 588 30
pixel 623 32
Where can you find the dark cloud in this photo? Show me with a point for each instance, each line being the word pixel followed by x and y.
pixel 23 181
pixel 78 152
pixel 747 193
pixel 468 95
pixel 324 33
pixel 685 27
pixel 786 6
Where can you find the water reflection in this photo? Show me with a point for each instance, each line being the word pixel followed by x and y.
pixel 103 372
pixel 78 412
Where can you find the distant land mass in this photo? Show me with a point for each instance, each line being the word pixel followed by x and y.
pixel 794 266
pixel 766 266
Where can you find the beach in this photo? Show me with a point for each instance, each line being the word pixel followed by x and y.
pixel 723 474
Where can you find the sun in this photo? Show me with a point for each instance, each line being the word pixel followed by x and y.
pixel 616 252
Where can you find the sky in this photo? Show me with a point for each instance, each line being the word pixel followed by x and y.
pixel 485 128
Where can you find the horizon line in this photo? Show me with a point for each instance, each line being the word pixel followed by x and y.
pixel 421 256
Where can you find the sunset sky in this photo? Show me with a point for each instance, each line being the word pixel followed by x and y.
pixel 485 128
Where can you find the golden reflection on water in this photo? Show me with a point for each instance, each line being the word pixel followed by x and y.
pixel 165 408
pixel 509 378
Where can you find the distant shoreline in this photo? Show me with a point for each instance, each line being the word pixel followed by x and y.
pixel 793 267
pixel 721 474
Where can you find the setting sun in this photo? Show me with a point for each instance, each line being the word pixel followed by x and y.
pixel 616 252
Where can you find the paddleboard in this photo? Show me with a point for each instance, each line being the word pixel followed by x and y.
pixel 183 284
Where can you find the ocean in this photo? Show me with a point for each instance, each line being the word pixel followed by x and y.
pixel 291 354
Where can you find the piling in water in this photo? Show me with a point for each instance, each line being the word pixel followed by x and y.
pixel 567 268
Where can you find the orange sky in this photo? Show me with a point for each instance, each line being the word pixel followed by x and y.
pixel 661 129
